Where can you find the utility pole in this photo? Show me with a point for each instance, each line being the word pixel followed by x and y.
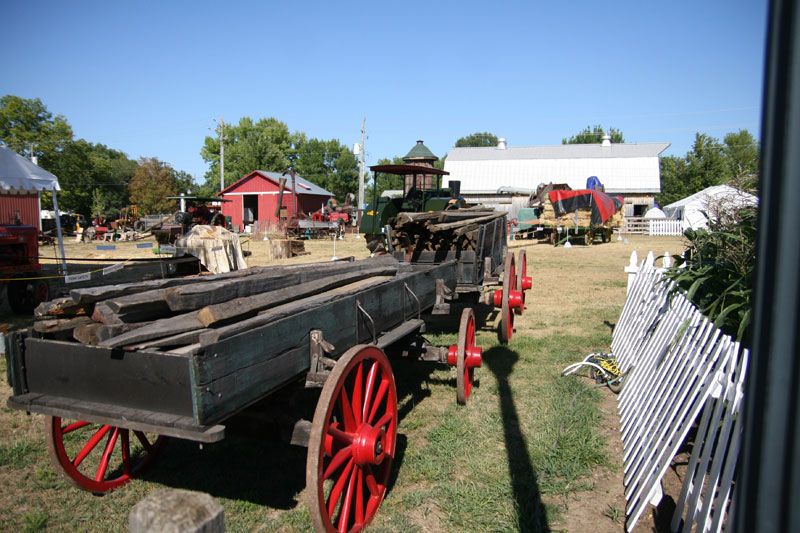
pixel 361 169
pixel 221 153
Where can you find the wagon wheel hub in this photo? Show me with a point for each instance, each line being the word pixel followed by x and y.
pixel 369 445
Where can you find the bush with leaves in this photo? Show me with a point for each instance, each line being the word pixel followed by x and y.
pixel 717 269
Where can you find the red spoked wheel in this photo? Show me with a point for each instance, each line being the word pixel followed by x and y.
pixel 352 441
pixel 510 299
pixel 524 282
pixel 99 458
pixel 465 356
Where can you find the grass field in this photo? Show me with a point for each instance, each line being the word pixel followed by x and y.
pixel 530 451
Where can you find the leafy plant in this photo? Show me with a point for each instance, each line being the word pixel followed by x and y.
pixel 717 269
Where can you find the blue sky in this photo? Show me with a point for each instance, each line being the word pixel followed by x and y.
pixel 148 78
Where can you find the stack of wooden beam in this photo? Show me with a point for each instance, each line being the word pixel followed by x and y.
pixel 181 315
pixel 455 229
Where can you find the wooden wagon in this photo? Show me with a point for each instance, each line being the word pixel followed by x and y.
pixel 477 239
pixel 110 408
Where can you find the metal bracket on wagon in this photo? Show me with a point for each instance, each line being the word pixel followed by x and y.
pixel 320 365
pixel 443 296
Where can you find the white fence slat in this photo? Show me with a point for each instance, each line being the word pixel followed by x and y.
pixel 659 371
pixel 655 350
pixel 658 460
pixel 695 475
pixel 678 364
pixel 679 373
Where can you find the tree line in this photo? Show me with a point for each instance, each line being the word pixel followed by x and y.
pixel 96 179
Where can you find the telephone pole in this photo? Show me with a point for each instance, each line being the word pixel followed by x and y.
pixel 361 168
pixel 221 153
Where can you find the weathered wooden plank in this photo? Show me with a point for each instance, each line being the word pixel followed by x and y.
pixel 234 392
pixel 181 339
pixel 62 307
pixel 388 302
pixel 103 313
pixel 87 334
pixel 279 312
pixel 135 419
pixel 95 294
pixel 196 296
pixel 453 225
pixel 151 301
pixel 106 331
pixel 145 380
pixel 158 329
pixel 59 326
pixel 241 308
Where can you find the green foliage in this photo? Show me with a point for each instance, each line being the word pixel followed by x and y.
pixel 150 185
pixel 594 135
pixel 263 145
pixel 385 181
pixel 743 154
pixel 35 520
pixel 28 128
pixel 478 139
pixel 81 167
pixel 329 164
pixel 709 163
pixel 717 271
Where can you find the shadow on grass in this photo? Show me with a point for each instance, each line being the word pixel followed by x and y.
pixel 531 512
pixel 247 465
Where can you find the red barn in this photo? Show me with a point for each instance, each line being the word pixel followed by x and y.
pixel 255 197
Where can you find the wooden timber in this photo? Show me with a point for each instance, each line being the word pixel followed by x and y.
pixel 244 307
pixel 239 367
pixel 196 296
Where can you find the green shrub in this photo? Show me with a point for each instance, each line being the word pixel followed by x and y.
pixel 717 269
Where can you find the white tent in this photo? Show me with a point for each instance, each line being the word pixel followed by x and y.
pixel 694 211
pixel 18 175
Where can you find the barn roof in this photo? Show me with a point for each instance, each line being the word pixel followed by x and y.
pixel 303 186
pixel 622 167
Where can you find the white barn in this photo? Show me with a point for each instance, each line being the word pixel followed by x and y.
pixel 631 170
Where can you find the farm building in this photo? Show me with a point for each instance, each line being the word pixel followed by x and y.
pixel 694 211
pixel 255 197
pixel 20 183
pixel 506 175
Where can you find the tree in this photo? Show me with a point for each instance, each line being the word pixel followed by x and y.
pixel 263 145
pixel 594 135
pixel 329 164
pixel 150 185
pixel 28 128
pixel 673 180
pixel 478 140
pixel 83 167
pixel 706 164
pixel 743 154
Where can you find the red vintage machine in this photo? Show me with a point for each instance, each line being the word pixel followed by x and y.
pixel 19 258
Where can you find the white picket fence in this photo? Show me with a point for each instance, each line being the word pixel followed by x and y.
pixel 652 226
pixel 679 368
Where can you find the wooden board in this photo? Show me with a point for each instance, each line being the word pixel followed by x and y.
pixel 145 380
pixel 243 368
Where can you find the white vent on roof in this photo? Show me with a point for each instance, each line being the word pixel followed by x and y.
pixel 501 143
pixel 606 140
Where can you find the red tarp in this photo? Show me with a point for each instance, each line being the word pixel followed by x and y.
pixel 603 206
